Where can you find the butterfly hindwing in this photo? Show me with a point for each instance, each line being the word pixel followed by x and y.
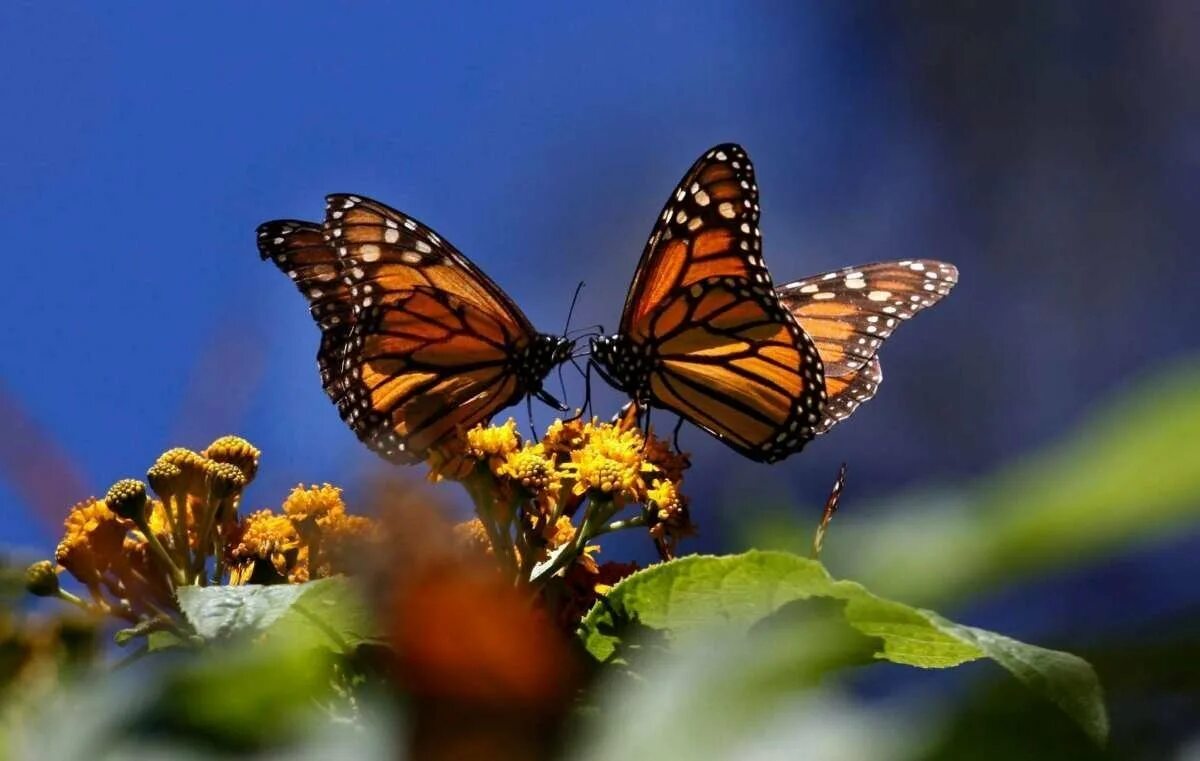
pixel 847 392
pixel 851 311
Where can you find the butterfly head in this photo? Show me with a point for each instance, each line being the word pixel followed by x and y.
pixel 542 355
pixel 623 364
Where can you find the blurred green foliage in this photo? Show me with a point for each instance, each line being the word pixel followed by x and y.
pixel 733 656
pixel 1128 475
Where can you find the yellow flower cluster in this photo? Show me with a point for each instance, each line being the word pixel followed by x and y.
pixel 540 503
pixel 313 538
pixel 131 550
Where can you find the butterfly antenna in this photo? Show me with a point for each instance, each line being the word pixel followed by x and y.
pixel 587 390
pixel 571 310
pixel 595 330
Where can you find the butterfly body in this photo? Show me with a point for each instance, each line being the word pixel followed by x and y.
pixel 624 366
pixel 417 343
pixel 533 363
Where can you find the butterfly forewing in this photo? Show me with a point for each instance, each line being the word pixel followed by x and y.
pixel 733 363
pixel 299 250
pixel 386 251
pixel 423 366
pixel 708 228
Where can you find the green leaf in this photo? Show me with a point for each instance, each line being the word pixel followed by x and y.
pixel 163 640
pixel 330 613
pixel 1067 680
pixel 687 598
pixel 223 611
pixel 326 613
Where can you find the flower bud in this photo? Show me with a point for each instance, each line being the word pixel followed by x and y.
pixel 127 499
pixel 236 451
pixel 165 478
pixel 41 579
pixel 224 479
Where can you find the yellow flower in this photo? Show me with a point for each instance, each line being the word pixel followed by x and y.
pixel 342 539
pixel 664 496
pixel 265 536
pixel 562 532
pixel 236 451
pixel 662 456
pixel 313 502
pixel 563 438
pixel 93 538
pixel 193 468
pixel 493 442
pixel 530 468
pixel 157 520
pixel 473 536
pixel 668 516
pixel 610 462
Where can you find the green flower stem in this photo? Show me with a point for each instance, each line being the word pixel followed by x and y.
pixel 159 551
pixel 481 495
pixel 597 512
pixel 181 538
pixel 203 541
pixel 526 560
pixel 635 522
pixel 66 596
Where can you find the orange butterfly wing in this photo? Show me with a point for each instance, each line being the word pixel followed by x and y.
pixel 383 250
pixel 728 357
pixel 298 249
pixel 417 343
pixel 708 228
pixel 421 366
pixel 847 392
pixel 850 313
pixel 733 363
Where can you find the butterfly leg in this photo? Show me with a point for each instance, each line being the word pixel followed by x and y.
pixel 586 407
pixel 675 435
pixel 562 383
pixel 529 409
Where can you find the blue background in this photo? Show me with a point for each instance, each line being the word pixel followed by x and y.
pixel 1050 150
pixel 143 145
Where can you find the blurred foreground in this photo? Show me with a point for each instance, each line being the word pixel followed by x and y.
pixel 426 651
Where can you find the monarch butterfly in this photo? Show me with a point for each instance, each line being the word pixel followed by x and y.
pixel 705 334
pixel 417 343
